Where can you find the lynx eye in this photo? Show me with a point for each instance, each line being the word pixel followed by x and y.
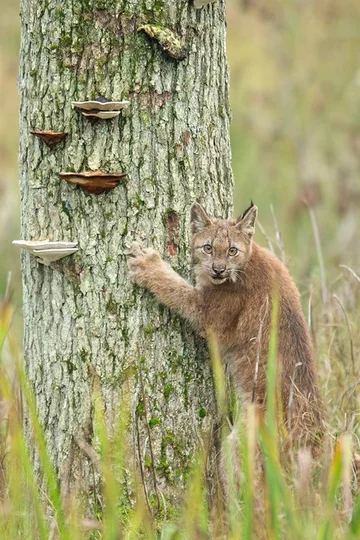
pixel 207 249
pixel 233 251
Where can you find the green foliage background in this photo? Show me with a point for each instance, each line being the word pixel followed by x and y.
pixel 9 105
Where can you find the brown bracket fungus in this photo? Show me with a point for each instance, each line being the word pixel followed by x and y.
pixel 45 251
pixel 95 182
pixel 50 138
pixel 100 107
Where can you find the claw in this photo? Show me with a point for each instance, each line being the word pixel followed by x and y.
pixel 134 250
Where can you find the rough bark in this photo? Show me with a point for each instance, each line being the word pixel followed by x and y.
pixel 84 321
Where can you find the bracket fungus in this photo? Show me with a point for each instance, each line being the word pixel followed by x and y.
pixel 95 182
pixel 100 107
pixel 50 138
pixel 45 251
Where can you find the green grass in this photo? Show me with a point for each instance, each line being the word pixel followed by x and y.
pixel 310 498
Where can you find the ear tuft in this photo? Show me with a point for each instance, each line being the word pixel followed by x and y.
pixel 246 222
pixel 199 219
pixel 245 212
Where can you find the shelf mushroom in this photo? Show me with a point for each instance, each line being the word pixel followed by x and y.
pixel 50 138
pixel 45 251
pixel 100 107
pixel 95 182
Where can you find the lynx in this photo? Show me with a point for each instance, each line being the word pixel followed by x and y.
pixel 235 283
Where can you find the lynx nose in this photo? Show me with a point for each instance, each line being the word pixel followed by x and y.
pixel 218 269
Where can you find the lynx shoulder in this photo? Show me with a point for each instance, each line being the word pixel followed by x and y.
pixel 236 280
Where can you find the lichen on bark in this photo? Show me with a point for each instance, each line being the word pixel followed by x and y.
pixel 84 321
pixel 169 41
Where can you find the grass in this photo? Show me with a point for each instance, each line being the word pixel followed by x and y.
pixel 309 498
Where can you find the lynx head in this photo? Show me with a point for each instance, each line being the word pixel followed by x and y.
pixel 221 247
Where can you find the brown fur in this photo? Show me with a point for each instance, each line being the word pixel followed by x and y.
pixel 233 299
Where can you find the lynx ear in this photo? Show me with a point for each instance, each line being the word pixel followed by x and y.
pixel 199 218
pixel 246 222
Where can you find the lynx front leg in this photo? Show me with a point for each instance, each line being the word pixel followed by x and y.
pixel 148 270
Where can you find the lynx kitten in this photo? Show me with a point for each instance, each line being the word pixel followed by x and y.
pixel 235 282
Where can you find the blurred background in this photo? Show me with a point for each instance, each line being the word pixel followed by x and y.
pixel 295 96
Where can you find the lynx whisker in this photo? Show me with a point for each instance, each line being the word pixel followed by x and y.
pixel 237 276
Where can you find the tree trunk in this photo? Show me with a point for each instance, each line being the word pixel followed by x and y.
pixel 86 325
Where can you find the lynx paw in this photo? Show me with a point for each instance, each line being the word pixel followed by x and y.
pixel 142 263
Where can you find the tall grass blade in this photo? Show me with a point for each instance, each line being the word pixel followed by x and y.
pixel 278 490
pixel 271 448
pixel 48 470
pixel 250 455
pixel 354 528
pixel 6 316
pixel 111 521
pixel 21 478
pixel 140 523
pixel 22 472
pixel 194 522
pixel 326 531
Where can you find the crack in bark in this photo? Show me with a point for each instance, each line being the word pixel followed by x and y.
pixel 173 232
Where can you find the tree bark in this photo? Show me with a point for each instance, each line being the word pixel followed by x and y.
pixel 85 324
